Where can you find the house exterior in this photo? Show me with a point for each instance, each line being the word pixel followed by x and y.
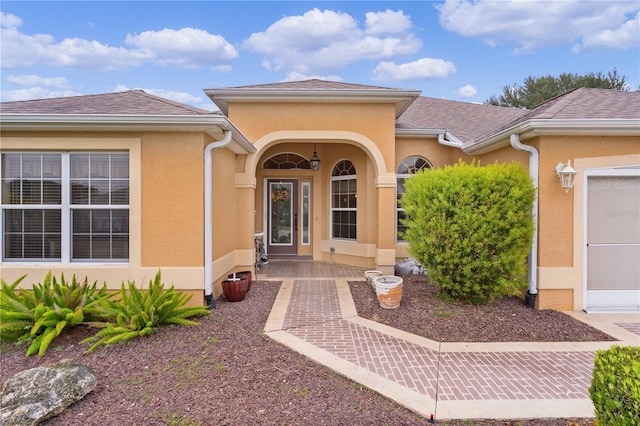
pixel 117 186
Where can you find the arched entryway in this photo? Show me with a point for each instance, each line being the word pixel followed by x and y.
pixel 293 202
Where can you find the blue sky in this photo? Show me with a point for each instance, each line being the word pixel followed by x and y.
pixel 459 50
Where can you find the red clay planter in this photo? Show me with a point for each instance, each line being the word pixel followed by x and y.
pixel 235 289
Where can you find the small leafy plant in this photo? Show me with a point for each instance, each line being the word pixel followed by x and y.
pixel 16 311
pixel 137 312
pixel 41 314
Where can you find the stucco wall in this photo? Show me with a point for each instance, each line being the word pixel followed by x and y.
pixel 172 200
pixel 166 208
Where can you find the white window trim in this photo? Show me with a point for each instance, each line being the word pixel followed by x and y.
pixel 332 209
pixel 65 207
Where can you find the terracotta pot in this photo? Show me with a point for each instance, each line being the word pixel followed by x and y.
pixel 243 275
pixel 234 289
pixel 389 291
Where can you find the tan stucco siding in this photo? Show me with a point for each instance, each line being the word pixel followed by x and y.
pixel 225 203
pixel 376 122
pixel 172 200
pixel 438 155
pixel 556 207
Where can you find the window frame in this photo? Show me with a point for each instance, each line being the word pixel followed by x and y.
pixel 352 210
pixel 412 169
pixel 66 208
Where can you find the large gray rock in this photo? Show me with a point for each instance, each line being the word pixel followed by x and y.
pixel 37 394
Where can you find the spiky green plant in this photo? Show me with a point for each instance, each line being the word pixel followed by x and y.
pixel 136 312
pixel 41 314
pixel 16 311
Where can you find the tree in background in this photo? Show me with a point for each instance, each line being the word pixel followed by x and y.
pixel 536 90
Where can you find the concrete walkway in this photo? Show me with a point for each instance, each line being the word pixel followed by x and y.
pixel 314 314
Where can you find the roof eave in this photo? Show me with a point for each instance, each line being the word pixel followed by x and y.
pixel 538 127
pixel 213 125
pixel 411 133
pixel 402 98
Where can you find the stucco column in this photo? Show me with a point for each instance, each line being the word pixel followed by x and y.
pixel 386 253
pixel 245 221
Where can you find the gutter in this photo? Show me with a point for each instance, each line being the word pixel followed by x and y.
pixel 534 162
pixel 208 217
pixel 447 138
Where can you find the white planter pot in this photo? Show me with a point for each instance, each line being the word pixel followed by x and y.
pixel 370 275
pixel 389 290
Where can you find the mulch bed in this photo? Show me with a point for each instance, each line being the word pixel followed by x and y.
pixel 227 372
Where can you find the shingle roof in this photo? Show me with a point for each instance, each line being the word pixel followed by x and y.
pixel 581 103
pixel 314 84
pixel 465 120
pixel 134 102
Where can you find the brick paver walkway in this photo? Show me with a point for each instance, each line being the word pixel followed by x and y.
pixel 459 380
pixel 314 316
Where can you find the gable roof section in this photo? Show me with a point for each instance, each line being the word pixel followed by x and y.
pixel 312 91
pixel 465 120
pixel 581 111
pixel 133 110
pixel 129 102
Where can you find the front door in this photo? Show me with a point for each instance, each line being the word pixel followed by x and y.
pixel 613 240
pixel 282 214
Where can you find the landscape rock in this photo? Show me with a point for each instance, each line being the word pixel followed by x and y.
pixel 37 394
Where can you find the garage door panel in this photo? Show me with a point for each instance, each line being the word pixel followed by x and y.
pixel 613 240
pixel 613 268
pixel 614 209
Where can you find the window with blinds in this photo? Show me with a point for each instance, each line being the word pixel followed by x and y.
pixel 65 206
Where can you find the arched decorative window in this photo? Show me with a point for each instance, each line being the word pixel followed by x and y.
pixel 343 201
pixel 286 161
pixel 407 168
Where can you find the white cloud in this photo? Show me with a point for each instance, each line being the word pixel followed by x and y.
pixel 531 25
pixel 387 22
pixel 467 91
pixel 326 41
pixel 35 80
pixel 627 36
pixel 296 76
pixel 8 20
pixel 35 92
pixel 182 97
pixel 187 47
pixel 422 69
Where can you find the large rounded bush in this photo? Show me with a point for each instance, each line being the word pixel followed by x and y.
pixel 471 228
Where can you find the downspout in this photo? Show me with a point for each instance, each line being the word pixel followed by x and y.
pixel 534 161
pixel 208 218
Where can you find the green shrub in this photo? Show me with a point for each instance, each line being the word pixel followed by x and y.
pixel 41 314
pixel 16 311
pixel 137 312
pixel 615 386
pixel 471 228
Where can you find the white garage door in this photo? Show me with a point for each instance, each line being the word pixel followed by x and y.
pixel 613 240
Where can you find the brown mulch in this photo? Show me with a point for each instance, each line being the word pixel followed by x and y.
pixel 506 320
pixel 227 372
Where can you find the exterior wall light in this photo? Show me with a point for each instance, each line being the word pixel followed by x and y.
pixel 315 161
pixel 567 175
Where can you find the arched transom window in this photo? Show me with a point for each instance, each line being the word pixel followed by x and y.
pixel 286 161
pixel 343 201
pixel 407 168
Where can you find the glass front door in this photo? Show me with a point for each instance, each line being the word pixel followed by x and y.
pixel 282 217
